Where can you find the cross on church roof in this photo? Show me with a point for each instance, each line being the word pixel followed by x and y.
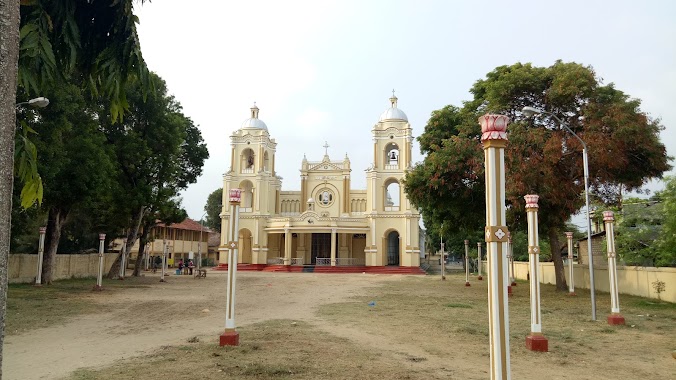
pixel 326 148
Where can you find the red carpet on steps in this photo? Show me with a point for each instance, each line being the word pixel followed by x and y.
pixel 322 269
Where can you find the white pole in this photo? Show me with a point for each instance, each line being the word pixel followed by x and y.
pixel 494 140
pixel 571 272
pixel 478 260
pixel 443 262
pixel 123 260
pixel 41 253
pixel 230 336
pixel 535 341
pixel 615 318
pixel 164 259
pixel 99 278
pixel 467 263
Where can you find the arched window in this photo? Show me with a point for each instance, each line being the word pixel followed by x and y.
pixel 391 156
pixel 266 162
pixel 248 160
pixel 247 196
pixel 392 195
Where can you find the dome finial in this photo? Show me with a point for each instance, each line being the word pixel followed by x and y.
pixel 393 100
pixel 254 111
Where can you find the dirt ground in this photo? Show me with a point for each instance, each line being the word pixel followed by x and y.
pixel 144 320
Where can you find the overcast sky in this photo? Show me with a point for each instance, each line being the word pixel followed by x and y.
pixel 324 70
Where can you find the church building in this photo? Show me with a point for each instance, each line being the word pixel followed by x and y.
pixel 325 222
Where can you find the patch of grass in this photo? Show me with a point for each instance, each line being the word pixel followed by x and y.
pixel 654 305
pixel 458 305
pixel 268 350
pixel 30 307
pixel 608 330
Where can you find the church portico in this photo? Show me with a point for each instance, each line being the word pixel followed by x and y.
pixel 325 223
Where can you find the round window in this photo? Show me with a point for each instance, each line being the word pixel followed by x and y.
pixel 325 197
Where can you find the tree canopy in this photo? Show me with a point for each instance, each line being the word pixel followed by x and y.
pixel 541 157
pixel 213 207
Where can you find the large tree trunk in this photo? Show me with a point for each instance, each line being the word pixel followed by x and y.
pixel 555 246
pixel 9 61
pixel 52 238
pixel 132 235
pixel 143 239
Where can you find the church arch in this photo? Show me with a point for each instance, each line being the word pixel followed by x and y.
pixel 393 247
pixel 391 155
pixel 247 160
pixel 245 243
pixel 247 195
pixel 392 194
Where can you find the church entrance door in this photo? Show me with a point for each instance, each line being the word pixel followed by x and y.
pixel 393 248
pixel 321 247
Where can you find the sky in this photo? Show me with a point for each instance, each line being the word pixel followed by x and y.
pixel 324 70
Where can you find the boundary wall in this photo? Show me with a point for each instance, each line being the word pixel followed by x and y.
pixel 22 268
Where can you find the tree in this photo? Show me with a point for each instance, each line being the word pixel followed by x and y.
pixel 75 161
pixel 159 152
pixel 541 157
pixel 95 39
pixel 213 208
pixel 9 57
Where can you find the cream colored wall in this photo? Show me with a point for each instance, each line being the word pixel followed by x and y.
pixel 23 268
pixel 636 281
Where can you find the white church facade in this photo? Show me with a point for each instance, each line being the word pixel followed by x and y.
pixel 325 222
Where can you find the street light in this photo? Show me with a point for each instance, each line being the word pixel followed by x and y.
pixel 40 102
pixel 530 111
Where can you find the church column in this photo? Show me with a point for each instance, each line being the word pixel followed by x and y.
pixel 303 193
pixel 287 246
pixel 300 250
pixel 333 247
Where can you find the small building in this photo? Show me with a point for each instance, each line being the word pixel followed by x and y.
pixel 185 240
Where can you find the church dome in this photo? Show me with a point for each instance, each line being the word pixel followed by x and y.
pixel 254 122
pixel 393 113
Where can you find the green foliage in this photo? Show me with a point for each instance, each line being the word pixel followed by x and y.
pixel 213 208
pixel 26 166
pixel 667 239
pixel 95 40
pixel 541 157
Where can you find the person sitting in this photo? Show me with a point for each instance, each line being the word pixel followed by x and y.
pixel 190 266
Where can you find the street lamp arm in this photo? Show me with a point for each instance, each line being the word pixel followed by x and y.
pixel 566 127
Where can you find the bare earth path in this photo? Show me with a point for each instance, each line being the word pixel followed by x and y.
pixel 440 335
pixel 167 314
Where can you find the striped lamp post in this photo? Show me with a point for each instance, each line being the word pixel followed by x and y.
pixel 571 273
pixel 535 341
pixel 615 318
pixel 494 139
pixel 467 263
pixel 99 277
pixel 230 336
pixel 478 261
pixel 41 253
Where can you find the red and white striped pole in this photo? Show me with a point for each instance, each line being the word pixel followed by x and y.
pixel 494 139
pixel 535 341
pixel 615 318
pixel 467 263
pixel 99 278
pixel 571 272
pixel 41 253
pixel 230 336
